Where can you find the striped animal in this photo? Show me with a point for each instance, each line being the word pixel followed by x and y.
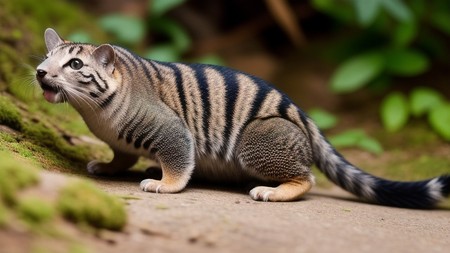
pixel 209 121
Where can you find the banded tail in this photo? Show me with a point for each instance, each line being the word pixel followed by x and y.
pixel 419 195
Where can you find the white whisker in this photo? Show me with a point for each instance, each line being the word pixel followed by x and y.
pixel 83 100
pixel 25 81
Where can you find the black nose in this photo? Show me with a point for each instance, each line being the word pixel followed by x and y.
pixel 41 73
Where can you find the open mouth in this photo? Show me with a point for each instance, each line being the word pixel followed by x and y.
pixel 51 93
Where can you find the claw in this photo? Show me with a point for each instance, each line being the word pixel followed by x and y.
pixel 157 186
pixel 261 193
pixel 150 185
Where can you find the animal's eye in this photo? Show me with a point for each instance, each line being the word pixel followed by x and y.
pixel 76 64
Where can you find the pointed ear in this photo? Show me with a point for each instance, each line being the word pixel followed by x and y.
pixel 105 56
pixel 52 39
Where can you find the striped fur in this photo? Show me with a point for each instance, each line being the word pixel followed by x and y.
pixel 208 120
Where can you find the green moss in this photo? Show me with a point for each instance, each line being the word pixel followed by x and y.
pixel 21 44
pixel 22 150
pixel 416 135
pixel 43 249
pixel 78 248
pixel 5 137
pixel 42 134
pixel 23 23
pixel 77 126
pixel 35 211
pixel 83 203
pixel 71 248
pixel 9 115
pixel 67 117
pixel 3 215
pixel 8 62
pixel 36 154
pixel 408 166
pixel 45 136
pixel 14 176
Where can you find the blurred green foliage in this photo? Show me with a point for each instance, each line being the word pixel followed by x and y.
pixel 392 38
pixel 356 138
pixel 127 30
pixel 173 40
pixel 323 119
pixel 391 41
pixel 131 31
pixel 396 109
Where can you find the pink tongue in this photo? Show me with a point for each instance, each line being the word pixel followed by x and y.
pixel 49 96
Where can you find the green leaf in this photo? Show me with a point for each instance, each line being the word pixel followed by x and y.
pixel 366 10
pixel 439 119
pixel 397 9
pixel 404 34
pixel 394 111
pixel 159 7
pixel 323 119
pixel 441 20
pixel 371 145
pixel 356 138
pixel 357 72
pixel 166 52
pixel 423 100
pixel 178 36
pixel 406 62
pixel 347 139
pixel 80 36
pixel 127 29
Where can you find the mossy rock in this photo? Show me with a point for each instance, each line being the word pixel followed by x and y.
pixel 9 115
pixel 3 215
pixel 83 203
pixel 40 133
pixel 23 24
pixel 35 211
pixel 36 137
pixel 14 176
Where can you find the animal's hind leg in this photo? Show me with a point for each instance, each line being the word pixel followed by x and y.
pixel 276 149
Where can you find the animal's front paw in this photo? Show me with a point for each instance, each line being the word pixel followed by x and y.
pixel 157 186
pixel 262 193
pixel 98 168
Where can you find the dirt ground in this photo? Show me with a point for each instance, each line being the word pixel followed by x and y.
pixel 206 218
pixel 209 219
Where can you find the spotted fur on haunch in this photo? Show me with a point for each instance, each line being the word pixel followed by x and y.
pixel 213 122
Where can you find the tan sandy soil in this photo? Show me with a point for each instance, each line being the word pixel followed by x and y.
pixel 211 219
pixel 204 219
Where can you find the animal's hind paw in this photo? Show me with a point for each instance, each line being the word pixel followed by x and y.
pixel 262 193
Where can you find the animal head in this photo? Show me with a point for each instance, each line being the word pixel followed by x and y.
pixel 81 74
